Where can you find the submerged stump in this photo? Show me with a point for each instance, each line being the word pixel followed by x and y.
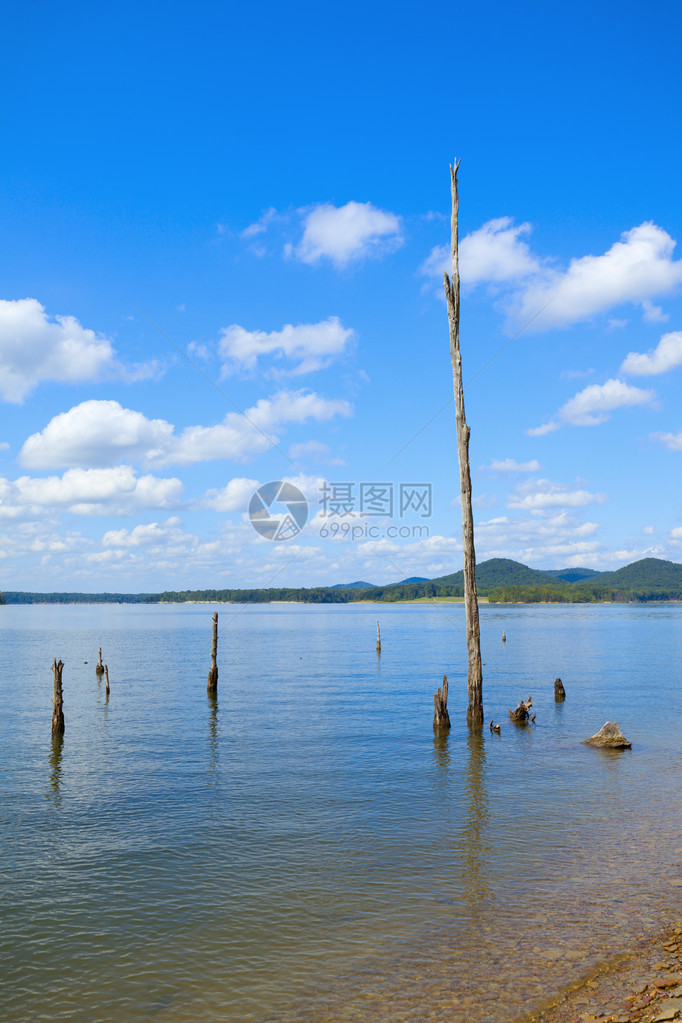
pixel 609 736
pixel 441 718
pixel 99 667
pixel 559 691
pixel 378 639
pixel 106 679
pixel 522 713
pixel 57 699
pixel 212 685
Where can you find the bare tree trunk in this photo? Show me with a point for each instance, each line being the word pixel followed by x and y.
pixel 57 699
pixel 106 679
pixel 475 682
pixel 99 667
pixel 378 639
pixel 212 686
pixel 441 718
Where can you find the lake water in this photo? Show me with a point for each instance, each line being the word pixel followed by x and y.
pixel 303 849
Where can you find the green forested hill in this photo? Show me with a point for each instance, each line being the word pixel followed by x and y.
pixel 500 579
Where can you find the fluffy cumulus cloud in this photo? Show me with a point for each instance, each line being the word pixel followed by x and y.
pixel 308 346
pixel 594 405
pixel 345 234
pixel 36 349
pixel 665 356
pixel 636 268
pixel 539 495
pixel 235 496
pixel 115 491
pixel 539 295
pixel 104 433
pixel 494 254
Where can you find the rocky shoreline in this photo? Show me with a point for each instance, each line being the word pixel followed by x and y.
pixel 644 986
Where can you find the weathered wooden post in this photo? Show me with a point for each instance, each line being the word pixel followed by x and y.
pixel 57 699
pixel 504 637
pixel 106 680
pixel 378 639
pixel 212 686
pixel 559 691
pixel 475 680
pixel 441 718
pixel 99 667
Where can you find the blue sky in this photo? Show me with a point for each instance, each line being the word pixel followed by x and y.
pixel 218 209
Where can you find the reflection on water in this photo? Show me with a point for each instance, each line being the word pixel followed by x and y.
pixel 56 748
pixel 362 867
pixel 474 834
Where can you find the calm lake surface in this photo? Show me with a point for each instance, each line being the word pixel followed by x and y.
pixel 303 849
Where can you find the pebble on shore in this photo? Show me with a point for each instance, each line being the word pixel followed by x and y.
pixel 643 988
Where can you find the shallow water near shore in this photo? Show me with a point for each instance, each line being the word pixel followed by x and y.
pixel 303 848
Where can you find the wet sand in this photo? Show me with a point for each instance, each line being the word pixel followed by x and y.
pixel 640 987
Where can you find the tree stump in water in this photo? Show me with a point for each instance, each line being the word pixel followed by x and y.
pixel 57 699
pixel 99 667
pixel 559 691
pixel 609 736
pixel 212 686
pixel 106 679
pixel 521 714
pixel 441 718
pixel 378 639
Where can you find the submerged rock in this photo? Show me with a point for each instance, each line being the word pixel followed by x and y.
pixel 609 736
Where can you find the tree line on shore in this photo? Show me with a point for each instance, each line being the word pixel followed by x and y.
pixel 499 579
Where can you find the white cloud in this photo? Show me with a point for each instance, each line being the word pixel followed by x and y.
pixel 634 269
pixel 510 465
pixel 653 313
pixel 103 433
pixel 493 254
pixel 261 225
pixel 347 233
pixel 673 441
pixel 538 495
pixel 34 348
pixel 666 356
pixel 233 497
pixel 311 346
pixel 114 491
pixel 594 404
pixel 648 530
pixel 144 535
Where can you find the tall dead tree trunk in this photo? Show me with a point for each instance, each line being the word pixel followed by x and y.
pixel 378 639
pixel 212 686
pixel 57 699
pixel 475 682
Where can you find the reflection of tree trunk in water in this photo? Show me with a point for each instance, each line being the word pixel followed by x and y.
pixel 473 837
pixel 213 735
pixel 56 762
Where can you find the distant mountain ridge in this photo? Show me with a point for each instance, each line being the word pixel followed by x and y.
pixel 500 579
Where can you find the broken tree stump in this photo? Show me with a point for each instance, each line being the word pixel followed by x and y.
pixel 504 637
pixel 99 667
pixel 521 714
pixel 609 736
pixel 57 699
pixel 212 686
pixel 559 691
pixel 378 639
pixel 441 718
pixel 106 679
